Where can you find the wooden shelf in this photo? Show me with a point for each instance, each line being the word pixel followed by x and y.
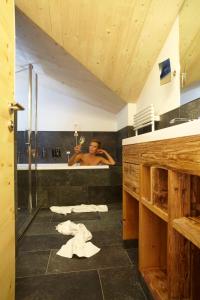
pixel 159 187
pixel 189 228
pixel 156 210
pixel 156 280
pixel 134 195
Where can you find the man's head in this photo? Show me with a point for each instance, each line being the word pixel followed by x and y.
pixel 94 146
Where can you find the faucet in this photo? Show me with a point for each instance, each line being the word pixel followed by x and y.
pixel 179 120
pixel 68 154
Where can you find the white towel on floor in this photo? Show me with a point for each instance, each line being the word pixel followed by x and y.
pixel 79 208
pixel 78 244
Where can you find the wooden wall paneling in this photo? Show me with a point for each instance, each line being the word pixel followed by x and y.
pixel 7 206
pixel 118 41
pixel 190 41
pixel 130 217
pixel 178 246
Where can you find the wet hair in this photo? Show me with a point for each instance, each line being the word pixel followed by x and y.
pixel 96 141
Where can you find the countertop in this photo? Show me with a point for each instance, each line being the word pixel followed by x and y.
pixel 181 130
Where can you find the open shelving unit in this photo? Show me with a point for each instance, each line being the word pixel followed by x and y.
pixel 161 205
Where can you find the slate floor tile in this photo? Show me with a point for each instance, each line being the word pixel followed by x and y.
pixel 43 216
pixel 108 256
pixel 42 229
pixel 71 286
pixel 32 263
pixel 107 225
pixel 114 216
pixel 107 238
pixel 42 242
pixel 133 254
pixel 121 284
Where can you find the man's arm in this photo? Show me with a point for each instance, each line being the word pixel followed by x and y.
pixel 109 160
pixel 76 157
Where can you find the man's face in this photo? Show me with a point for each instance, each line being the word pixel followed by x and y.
pixel 93 148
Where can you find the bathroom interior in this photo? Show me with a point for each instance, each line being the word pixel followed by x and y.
pixel 81 82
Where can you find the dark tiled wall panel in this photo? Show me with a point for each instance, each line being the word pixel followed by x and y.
pixel 65 140
pixel 72 187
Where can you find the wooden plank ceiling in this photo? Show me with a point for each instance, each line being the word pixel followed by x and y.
pixel 117 40
pixel 190 41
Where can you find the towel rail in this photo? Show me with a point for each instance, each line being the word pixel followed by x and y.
pixel 144 118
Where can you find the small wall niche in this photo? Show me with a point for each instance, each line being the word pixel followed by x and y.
pixel 159 187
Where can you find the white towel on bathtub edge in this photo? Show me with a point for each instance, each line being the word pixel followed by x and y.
pixel 79 208
pixel 79 244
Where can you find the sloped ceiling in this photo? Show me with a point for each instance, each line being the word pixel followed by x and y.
pixel 116 40
pixel 59 71
pixel 190 41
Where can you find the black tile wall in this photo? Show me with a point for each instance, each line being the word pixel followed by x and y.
pixel 65 141
pixel 190 110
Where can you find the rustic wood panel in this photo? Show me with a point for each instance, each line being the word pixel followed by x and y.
pixel 152 241
pixel 156 280
pixel 130 217
pixel 145 183
pixel 159 188
pixel 195 267
pixel 131 179
pixel 156 210
pixel 118 41
pixel 189 228
pixel 167 153
pixel 195 196
pixel 178 246
pixel 7 217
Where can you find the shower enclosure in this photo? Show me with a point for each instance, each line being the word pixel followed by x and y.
pixel 26 92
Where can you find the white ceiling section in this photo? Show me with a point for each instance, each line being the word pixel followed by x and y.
pixel 51 61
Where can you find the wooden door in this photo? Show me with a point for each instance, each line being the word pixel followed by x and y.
pixel 7 211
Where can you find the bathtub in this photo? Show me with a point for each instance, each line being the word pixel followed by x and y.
pixel 60 184
pixel 59 167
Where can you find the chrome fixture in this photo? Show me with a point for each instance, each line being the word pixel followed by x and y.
pixel 179 120
pixel 81 140
pixel 68 154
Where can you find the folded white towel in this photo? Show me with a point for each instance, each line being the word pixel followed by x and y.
pixel 78 244
pixel 79 208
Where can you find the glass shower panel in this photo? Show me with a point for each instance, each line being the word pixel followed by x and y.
pixel 26 94
pixel 34 146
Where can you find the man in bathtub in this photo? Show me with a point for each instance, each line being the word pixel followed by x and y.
pixel 92 158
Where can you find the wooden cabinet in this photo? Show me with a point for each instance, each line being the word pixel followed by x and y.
pixel 131 178
pixel 161 207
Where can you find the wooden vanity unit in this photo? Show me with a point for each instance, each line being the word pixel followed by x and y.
pixel 161 208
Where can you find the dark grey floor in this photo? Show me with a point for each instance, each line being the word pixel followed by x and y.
pixel 110 274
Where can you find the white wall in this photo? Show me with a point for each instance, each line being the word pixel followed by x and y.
pixel 58 110
pixel 125 116
pixel 164 97
pixel 192 93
